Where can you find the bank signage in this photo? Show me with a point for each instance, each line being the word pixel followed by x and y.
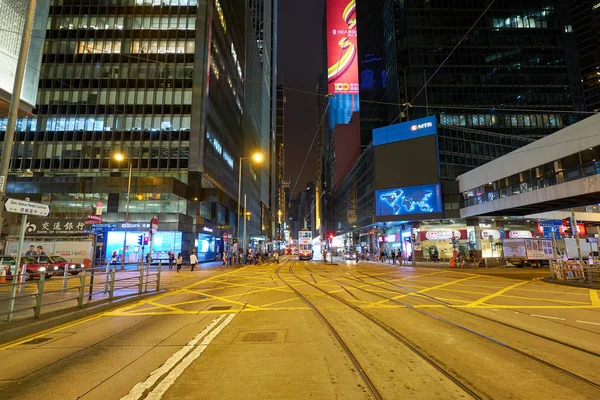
pixel 40 226
pixel 133 226
pixel 405 131
pixel 443 234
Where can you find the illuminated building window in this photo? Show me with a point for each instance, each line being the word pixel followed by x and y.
pixel 221 16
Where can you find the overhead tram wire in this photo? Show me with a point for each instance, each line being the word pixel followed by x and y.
pixel 310 148
pixel 445 60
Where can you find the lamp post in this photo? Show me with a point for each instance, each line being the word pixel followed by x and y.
pixel 257 158
pixel 120 157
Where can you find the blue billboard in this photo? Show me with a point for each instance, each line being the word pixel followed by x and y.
pixel 423 199
pixel 406 130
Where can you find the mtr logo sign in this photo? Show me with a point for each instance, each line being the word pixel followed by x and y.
pixel 415 128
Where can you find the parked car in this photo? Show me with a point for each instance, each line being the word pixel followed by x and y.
pixel 33 268
pixel 73 268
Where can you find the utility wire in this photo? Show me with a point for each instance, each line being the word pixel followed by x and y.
pixel 446 59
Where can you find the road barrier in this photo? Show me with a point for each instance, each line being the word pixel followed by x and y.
pixel 34 294
pixel 573 270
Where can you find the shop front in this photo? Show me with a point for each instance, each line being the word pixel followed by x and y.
pixel 137 244
pixel 206 245
pixel 442 243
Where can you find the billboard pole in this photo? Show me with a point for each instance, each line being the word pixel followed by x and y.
pixel 15 101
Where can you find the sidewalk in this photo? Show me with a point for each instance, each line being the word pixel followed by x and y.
pixel 60 307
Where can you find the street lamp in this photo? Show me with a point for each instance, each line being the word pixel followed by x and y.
pixel 119 157
pixel 257 158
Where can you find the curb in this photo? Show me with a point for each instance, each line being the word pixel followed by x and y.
pixel 31 326
pixel 572 284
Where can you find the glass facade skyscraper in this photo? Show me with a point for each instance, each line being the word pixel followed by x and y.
pixel 513 79
pixel 162 81
pixel 586 27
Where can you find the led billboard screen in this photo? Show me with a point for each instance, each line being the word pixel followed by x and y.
pixel 342 49
pixel 412 200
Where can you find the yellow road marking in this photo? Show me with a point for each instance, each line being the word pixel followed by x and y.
pixel 496 294
pixel 49 332
pixel 594 297
pixel 426 290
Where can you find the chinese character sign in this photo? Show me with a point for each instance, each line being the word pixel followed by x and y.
pixel 342 49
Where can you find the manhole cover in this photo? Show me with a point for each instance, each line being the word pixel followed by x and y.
pixel 38 340
pixel 220 308
pixel 259 337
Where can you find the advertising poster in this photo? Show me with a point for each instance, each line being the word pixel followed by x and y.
pixel 342 48
pixel 539 249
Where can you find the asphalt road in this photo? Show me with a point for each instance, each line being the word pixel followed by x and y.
pixel 299 330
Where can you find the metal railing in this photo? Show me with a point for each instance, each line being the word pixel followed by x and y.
pixel 98 283
pixel 575 271
pixel 566 175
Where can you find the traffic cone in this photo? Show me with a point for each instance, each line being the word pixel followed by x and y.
pixel 3 275
pixel 452 262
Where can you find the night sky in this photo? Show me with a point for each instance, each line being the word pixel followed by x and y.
pixel 300 62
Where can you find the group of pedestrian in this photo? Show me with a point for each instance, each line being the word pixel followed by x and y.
pixel 392 257
pixel 33 252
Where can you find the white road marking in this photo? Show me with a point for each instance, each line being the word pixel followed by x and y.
pixel 138 390
pixel 546 316
pixel 587 322
pixel 170 379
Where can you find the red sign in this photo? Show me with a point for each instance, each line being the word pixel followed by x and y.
pixel 342 48
pixel 444 234
pixel 225 236
pixel 564 229
pixel 154 225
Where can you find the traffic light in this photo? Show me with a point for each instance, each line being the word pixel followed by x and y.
pixel 145 240
pixel 567 227
pixel 140 238
pixel 331 236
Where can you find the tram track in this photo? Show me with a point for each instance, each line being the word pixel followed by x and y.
pixel 388 330
pixel 483 317
pixel 359 369
pixel 457 325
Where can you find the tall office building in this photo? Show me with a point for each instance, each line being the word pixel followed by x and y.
pixel 586 27
pixel 513 79
pixel 264 24
pixel 280 149
pixel 10 42
pixel 164 83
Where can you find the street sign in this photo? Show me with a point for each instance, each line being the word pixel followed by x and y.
pixel 154 225
pixel 103 227
pixel 26 207
pixel 2 180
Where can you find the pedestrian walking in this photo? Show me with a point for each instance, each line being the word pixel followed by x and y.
pixel 276 256
pixel 171 259
pixel 179 261
pixel 113 258
pixel 357 255
pixel 193 259
pixel 148 258
pixel 225 258
pixel 399 255
pixel 393 254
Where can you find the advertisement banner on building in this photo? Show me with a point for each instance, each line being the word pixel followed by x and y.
pixel 342 48
pixel 444 234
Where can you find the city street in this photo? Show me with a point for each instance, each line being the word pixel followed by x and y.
pixel 305 329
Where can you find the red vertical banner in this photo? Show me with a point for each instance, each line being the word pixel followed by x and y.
pixel 342 48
